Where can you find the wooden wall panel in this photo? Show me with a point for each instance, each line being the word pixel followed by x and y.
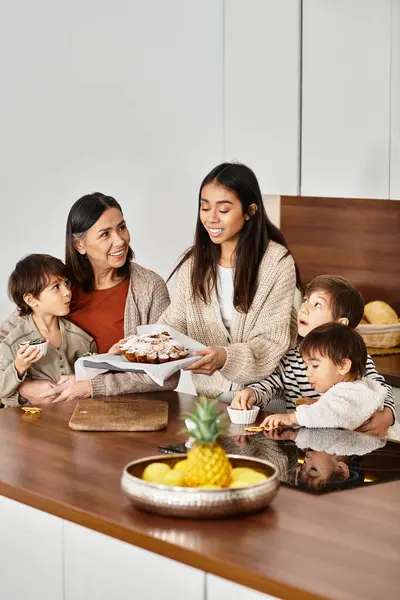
pixel 356 238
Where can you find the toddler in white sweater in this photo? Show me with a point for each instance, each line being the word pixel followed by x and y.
pixel 335 356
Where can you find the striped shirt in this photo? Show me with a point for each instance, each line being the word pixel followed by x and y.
pixel 289 382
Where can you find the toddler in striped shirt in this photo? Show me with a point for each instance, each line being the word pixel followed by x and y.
pixel 328 298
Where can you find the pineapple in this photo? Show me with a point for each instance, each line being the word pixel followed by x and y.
pixel 208 463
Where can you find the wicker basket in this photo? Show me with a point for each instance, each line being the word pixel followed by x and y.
pixel 380 336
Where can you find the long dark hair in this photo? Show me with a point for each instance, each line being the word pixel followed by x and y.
pixel 83 215
pixel 251 246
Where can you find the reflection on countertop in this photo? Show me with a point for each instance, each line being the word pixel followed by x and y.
pixel 320 460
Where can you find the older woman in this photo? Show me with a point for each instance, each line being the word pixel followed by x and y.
pixel 111 296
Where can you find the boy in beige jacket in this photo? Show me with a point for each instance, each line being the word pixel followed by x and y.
pixel 40 288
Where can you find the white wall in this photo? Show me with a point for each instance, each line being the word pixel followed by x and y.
pixel 123 98
pixel 140 99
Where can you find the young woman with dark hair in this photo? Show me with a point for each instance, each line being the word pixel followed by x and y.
pixel 235 285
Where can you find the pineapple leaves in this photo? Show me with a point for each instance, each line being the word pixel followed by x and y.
pixel 206 420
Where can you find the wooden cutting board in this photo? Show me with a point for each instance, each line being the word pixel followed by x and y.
pixel 132 415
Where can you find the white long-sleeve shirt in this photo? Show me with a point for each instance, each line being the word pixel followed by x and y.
pixel 346 405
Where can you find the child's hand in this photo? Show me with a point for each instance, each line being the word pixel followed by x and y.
pixel 244 400
pixel 115 348
pixel 32 390
pixel 281 434
pixel 284 420
pixel 26 356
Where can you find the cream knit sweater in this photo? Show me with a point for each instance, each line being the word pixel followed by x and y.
pixel 257 339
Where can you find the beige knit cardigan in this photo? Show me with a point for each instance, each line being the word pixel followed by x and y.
pixel 147 298
pixel 257 339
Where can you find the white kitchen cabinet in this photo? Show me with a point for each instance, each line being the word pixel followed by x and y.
pixel 31 563
pixel 346 98
pixel 395 104
pixel 44 557
pixel 261 90
pixel 101 567
pixel 218 588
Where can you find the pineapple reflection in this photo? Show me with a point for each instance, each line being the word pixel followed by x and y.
pixel 280 452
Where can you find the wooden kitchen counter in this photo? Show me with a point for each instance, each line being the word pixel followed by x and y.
pixel 389 367
pixel 341 545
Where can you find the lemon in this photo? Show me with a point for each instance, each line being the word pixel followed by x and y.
pixel 173 478
pixel 154 472
pixel 238 483
pixel 238 471
pixel 252 477
pixel 245 474
pixel 182 465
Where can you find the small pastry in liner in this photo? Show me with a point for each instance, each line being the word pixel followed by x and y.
pixel 151 358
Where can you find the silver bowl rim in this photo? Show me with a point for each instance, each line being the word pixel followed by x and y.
pixel 188 490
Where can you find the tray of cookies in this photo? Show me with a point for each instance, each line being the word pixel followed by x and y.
pixel 155 348
pixel 158 350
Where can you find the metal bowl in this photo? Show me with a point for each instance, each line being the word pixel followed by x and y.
pixel 199 503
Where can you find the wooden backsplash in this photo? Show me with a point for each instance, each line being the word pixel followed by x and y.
pixel 356 238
